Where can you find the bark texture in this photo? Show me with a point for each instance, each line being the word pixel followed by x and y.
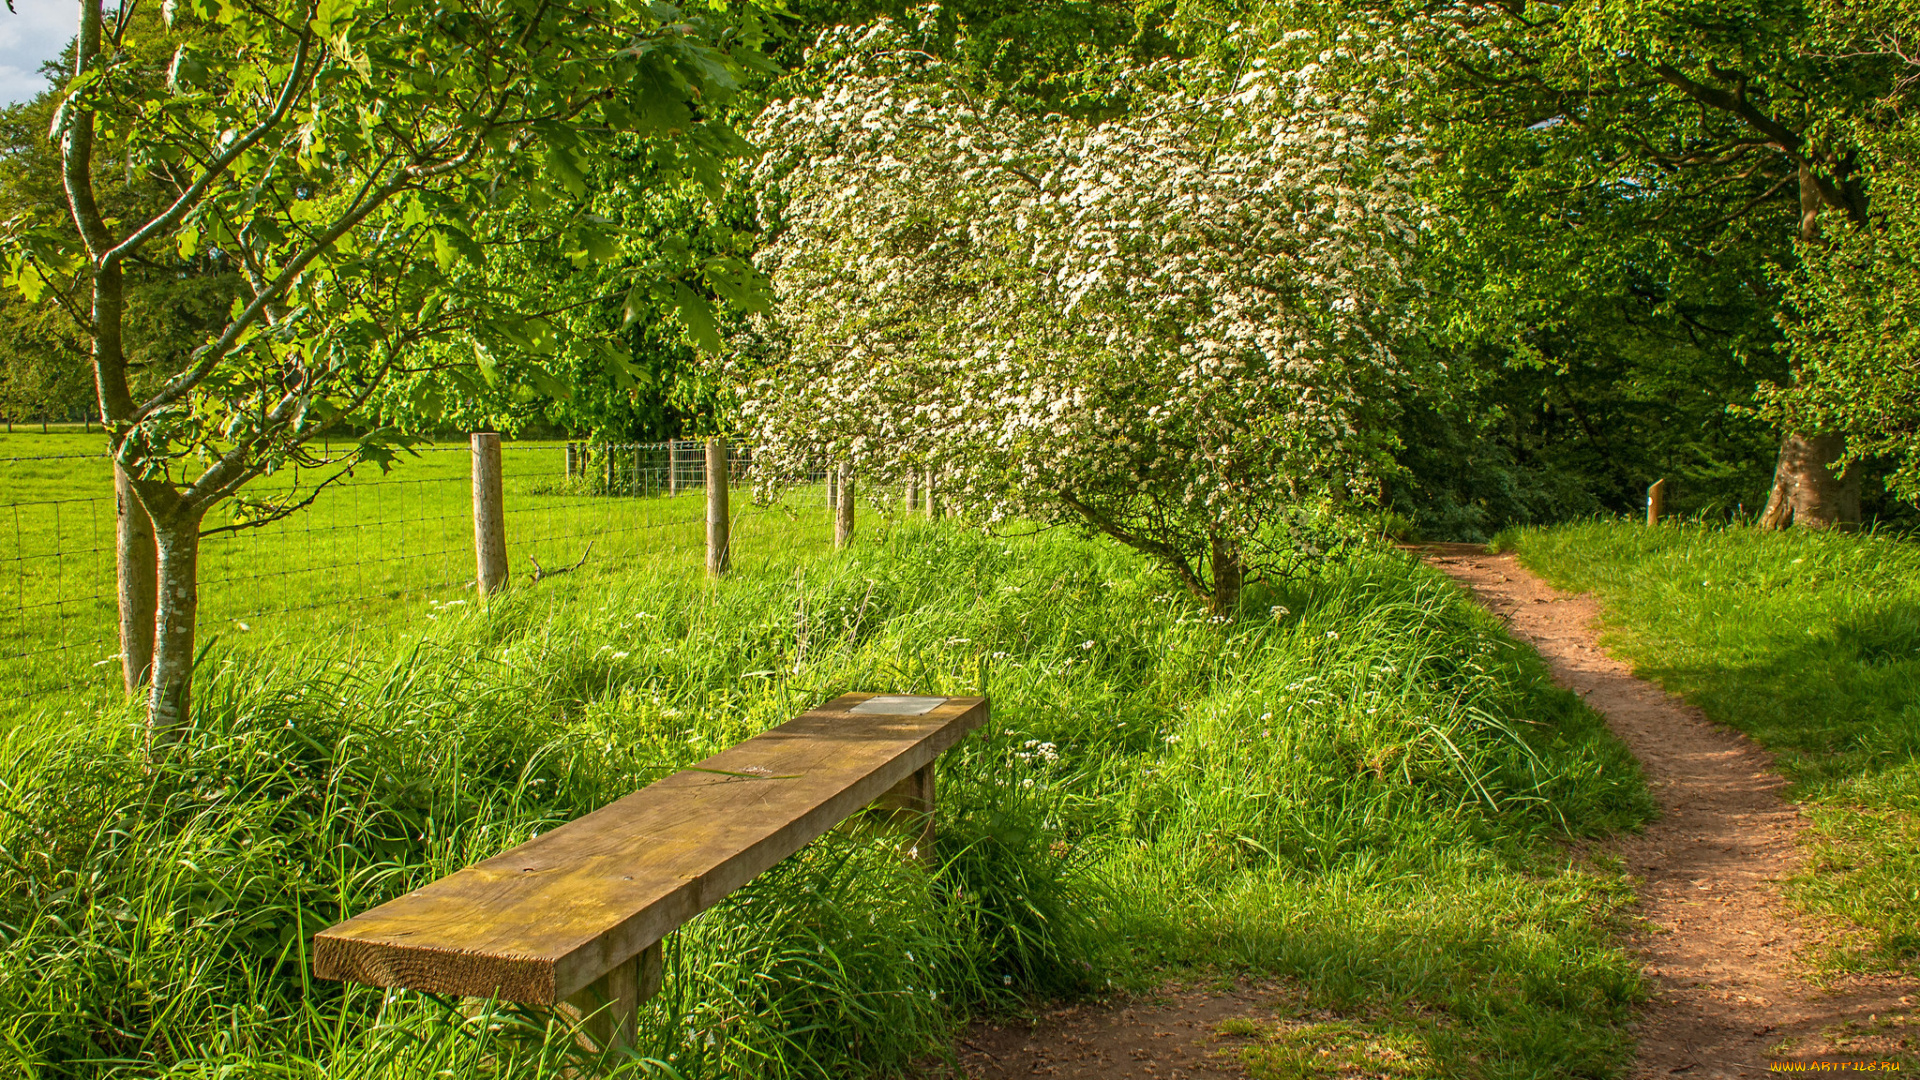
pixel 1806 491
pixel 1229 576
pixel 177 539
pixel 136 559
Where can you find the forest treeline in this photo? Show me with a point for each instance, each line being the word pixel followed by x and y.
pixel 1662 240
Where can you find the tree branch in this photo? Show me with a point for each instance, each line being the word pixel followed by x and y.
pixel 217 167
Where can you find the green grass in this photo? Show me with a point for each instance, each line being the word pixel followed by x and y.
pixel 1810 643
pixel 362 559
pixel 1360 785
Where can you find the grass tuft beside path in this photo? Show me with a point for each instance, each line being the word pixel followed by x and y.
pixel 1361 786
pixel 1810 643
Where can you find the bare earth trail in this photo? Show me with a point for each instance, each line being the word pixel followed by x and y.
pixel 1722 950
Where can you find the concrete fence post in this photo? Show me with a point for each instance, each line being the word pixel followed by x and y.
pixel 489 515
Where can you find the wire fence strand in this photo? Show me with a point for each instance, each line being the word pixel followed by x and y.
pixel 377 550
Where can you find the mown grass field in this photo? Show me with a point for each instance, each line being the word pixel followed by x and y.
pixel 1361 785
pixel 367 557
pixel 1810 643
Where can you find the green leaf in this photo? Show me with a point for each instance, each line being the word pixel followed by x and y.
pixel 697 316
pixel 489 366
pixel 560 164
pixel 544 381
pixel 600 247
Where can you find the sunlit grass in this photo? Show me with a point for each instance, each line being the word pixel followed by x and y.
pixel 1360 784
pixel 365 559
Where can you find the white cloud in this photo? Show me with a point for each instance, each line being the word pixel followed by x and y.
pixel 30 36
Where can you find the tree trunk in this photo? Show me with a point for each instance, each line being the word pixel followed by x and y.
pixel 170 703
pixel 1229 575
pixel 135 557
pixel 1806 492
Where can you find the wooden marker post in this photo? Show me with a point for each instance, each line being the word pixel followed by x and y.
pixel 719 542
pixel 843 511
pixel 1656 501
pixel 489 515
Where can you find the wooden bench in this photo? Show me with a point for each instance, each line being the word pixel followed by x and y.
pixel 575 916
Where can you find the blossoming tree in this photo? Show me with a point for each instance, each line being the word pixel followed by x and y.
pixel 1171 327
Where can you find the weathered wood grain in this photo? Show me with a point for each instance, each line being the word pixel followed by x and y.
pixel 541 922
pixel 489 515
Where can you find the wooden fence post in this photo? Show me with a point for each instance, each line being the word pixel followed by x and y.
pixel 913 490
pixel 673 466
pixel 843 511
pixel 1656 501
pixel 719 542
pixel 489 515
pixel 933 508
pixel 570 460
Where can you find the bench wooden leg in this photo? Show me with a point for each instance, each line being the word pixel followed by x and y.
pixel 611 1003
pixel 909 804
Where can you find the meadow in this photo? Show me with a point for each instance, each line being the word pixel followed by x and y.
pixel 1360 786
pixel 1810 643
pixel 362 559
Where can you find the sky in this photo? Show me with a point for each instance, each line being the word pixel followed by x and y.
pixel 30 36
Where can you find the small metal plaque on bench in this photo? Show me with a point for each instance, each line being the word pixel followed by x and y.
pixel 899 705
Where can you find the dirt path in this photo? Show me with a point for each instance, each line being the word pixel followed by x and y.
pixel 1720 945
pixel 1721 948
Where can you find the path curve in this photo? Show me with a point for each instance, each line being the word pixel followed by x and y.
pixel 1722 950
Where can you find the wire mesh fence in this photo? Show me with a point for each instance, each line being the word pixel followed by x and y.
pixel 376 550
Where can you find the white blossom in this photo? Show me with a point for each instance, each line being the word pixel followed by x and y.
pixel 1169 326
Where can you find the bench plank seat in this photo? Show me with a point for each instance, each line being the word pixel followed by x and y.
pixel 541 922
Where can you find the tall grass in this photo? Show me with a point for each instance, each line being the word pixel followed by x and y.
pixel 1359 784
pixel 1810 643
